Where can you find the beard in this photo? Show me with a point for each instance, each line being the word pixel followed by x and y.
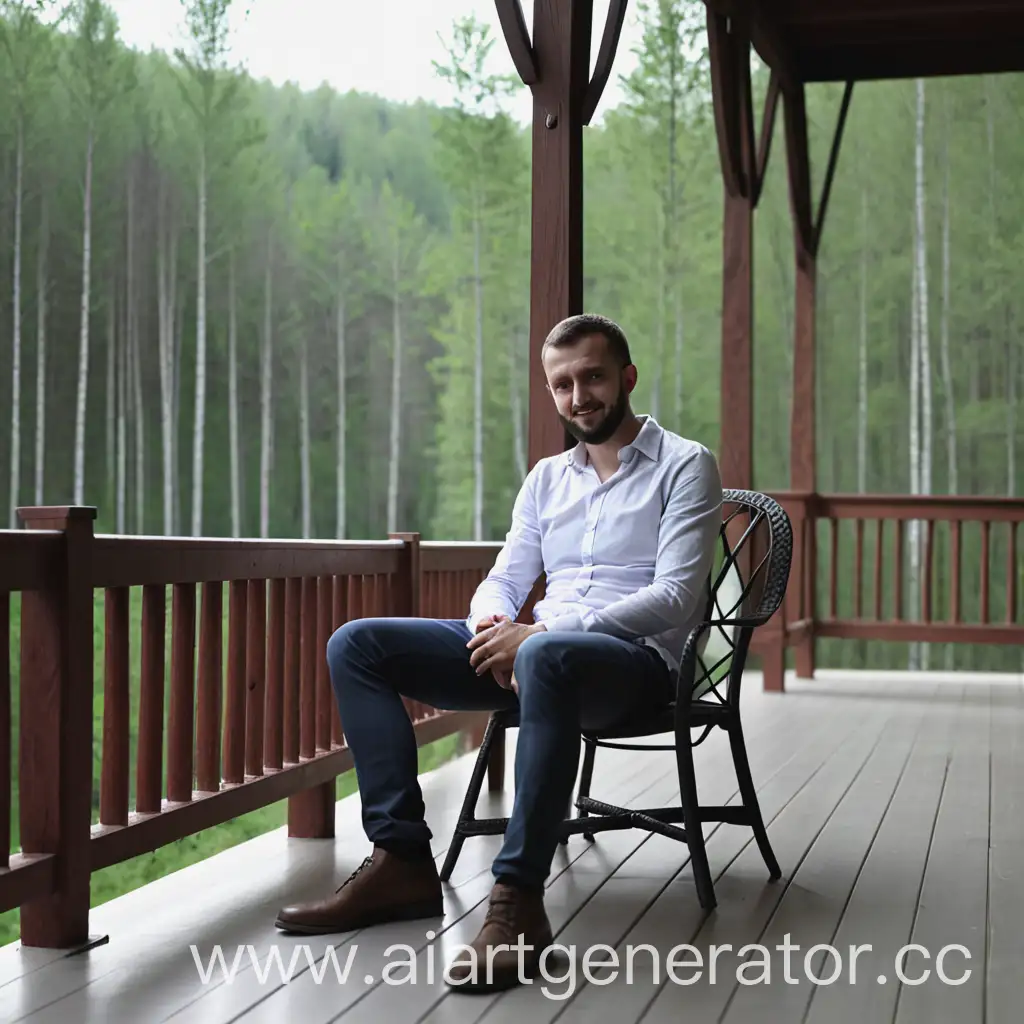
pixel 604 428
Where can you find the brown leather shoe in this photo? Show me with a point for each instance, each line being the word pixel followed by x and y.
pixel 383 888
pixel 515 917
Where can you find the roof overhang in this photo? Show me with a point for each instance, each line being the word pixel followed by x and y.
pixel 861 40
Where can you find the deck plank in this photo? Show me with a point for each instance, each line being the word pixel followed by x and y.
pixel 883 903
pixel 1006 868
pixel 952 907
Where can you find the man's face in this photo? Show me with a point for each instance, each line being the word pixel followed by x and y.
pixel 589 388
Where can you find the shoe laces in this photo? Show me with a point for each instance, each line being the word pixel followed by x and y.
pixel 502 908
pixel 367 861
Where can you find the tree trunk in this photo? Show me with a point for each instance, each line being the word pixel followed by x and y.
pixel 266 398
pixel 307 489
pixel 924 346
pixel 199 433
pixel 478 380
pixel 341 525
pixel 112 400
pixel 166 280
pixel 394 459
pixel 862 362
pixel 236 469
pixel 135 354
pixel 83 337
pixel 42 293
pixel 947 372
pixel 516 405
pixel 119 356
pixel 19 175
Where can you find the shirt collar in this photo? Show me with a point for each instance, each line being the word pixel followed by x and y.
pixel 647 442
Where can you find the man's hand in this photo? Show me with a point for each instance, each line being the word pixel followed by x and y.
pixel 494 647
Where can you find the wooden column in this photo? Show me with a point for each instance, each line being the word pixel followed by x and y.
pixel 55 749
pixel 744 161
pixel 743 164
pixel 556 66
pixel 807 227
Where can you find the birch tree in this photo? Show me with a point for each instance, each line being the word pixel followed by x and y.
pixel 29 60
pixel 101 73
pixel 211 97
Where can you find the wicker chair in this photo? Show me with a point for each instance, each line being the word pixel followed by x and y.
pixel 745 588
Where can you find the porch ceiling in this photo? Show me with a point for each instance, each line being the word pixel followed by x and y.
pixel 843 40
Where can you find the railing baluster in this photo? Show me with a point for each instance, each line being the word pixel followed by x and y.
pixel 858 569
pixel 1011 574
pixel 5 728
pixel 926 571
pixel 273 726
pixel 879 551
pixel 898 572
pixel 115 769
pixel 292 667
pixel 833 583
pixel 255 675
pixel 234 714
pixel 355 597
pixel 307 670
pixel 324 695
pixel 149 767
pixel 180 720
pixel 956 546
pixel 338 619
pixel 986 530
pixel 209 686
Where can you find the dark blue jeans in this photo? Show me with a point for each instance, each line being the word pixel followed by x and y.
pixel 567 682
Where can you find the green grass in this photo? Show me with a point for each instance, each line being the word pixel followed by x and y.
pixel 119 879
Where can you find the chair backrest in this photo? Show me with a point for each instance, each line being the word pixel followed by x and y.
pixel 746 585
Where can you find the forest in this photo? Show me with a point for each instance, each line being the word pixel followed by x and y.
pixel 234 308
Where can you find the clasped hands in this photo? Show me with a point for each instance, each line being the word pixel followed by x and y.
pixel 494 647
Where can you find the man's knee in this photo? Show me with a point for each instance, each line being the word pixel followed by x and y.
pixel 541 655
pixel 349 640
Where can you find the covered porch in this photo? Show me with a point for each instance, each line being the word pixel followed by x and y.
pixel 890 799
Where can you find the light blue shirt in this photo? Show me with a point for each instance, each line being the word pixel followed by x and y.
pixel 629 557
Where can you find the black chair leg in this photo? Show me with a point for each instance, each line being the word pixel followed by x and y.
pixel 468 812
pixel 749 794
pixel 586 778
pixel 692 823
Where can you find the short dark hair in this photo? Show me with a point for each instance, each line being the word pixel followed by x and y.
pixel 570 330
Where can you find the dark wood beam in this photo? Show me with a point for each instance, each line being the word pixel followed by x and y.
pixel 743 163
pixel 561 49
pixel 887 61
pixel 513 26
pixel 833 159
pixel 605 57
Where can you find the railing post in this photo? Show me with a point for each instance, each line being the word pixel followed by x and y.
pixel 807 584
pixel 55 766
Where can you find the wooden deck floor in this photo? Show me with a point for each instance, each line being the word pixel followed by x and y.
pixel 894 805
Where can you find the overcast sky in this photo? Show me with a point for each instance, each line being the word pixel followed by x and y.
pixel 381 46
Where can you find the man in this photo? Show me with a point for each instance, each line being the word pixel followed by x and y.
pixel 624 526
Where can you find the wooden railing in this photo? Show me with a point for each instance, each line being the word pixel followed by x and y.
pixel 852 579
pixel 250 715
